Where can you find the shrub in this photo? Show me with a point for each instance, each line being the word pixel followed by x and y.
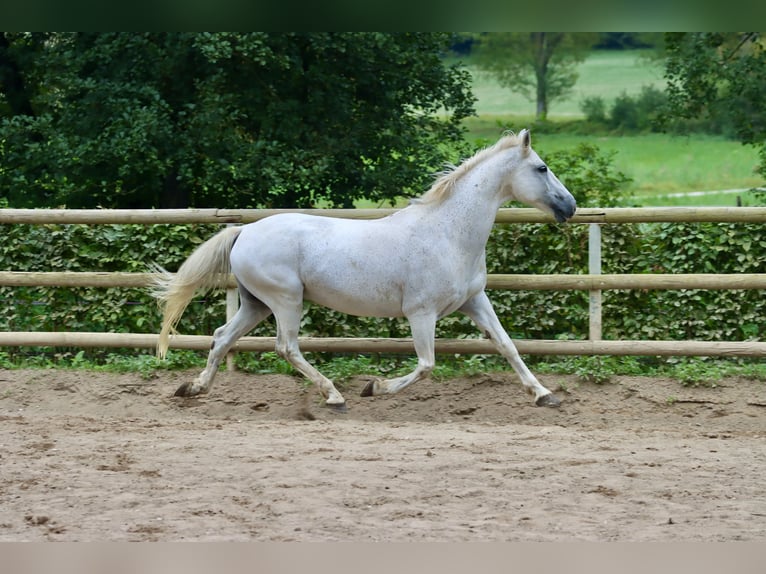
pixel 594 109
pixel 111 248
pixel 639 113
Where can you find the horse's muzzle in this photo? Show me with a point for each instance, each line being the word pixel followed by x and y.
pixel 564 212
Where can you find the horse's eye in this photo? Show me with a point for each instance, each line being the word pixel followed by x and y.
pixel 542 168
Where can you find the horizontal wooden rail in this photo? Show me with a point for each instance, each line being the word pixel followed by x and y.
pixel 634 281
pixel 671 215
pixel 380 345
pixel 73 279
pixel 499 281
pixel 506 215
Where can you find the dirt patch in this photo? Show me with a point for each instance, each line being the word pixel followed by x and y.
pixel 89 456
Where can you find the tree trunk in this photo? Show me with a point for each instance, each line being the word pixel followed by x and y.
pixel 542 56
pixel 174 195
pixel 12 81
pixel 542 99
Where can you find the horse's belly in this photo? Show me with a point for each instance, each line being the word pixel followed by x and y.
pixel 365 300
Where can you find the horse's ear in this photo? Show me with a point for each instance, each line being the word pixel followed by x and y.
pixel 526 140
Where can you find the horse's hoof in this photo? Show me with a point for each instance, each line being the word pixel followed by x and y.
pixel 182 391
pixel 186 390
pixel 367 390
pixel 548 400
pixel 338 407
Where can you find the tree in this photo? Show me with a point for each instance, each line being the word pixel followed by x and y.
pixel 225 119
pixel 720 77
pixel 543 62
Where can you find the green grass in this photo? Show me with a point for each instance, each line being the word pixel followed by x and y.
pixel 660 165
pixel 663 164
pixel 688 371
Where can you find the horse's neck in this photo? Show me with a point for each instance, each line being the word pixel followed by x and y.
pixel 471 208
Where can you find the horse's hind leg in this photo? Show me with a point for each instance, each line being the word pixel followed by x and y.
pixel 422 327
pixel 479 308
pixel 251 312
pixel 288 316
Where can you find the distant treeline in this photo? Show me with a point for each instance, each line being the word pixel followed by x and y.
pixel 463 43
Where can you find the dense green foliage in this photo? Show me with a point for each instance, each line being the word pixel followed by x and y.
pixel 688 313
pixel 126 248
pixel 627 114
pixel 229 120
pixel 721 77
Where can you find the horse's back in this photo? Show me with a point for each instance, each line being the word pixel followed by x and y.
pixel 309 236
pixel 345 264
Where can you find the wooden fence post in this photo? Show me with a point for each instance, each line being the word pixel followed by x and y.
pixel 232 305
pixel 594 268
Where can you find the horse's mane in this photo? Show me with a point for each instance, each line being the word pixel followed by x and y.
pixel 445 180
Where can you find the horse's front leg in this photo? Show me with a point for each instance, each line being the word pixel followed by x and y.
pixel 422 327
pixel 479 309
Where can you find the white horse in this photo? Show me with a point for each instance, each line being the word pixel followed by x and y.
pixel 423 262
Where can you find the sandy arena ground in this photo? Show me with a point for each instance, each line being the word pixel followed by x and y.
pixel 100 457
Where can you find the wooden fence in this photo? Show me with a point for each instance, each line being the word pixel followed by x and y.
pixel 594 283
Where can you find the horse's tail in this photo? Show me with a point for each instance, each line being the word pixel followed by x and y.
pixel 207 268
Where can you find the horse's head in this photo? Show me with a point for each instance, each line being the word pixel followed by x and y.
pixel 533 183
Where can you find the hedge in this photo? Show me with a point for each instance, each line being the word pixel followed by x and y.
pixel 514 248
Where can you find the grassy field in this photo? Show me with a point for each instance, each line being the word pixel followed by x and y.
pixel 665 169
pixel 604 73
